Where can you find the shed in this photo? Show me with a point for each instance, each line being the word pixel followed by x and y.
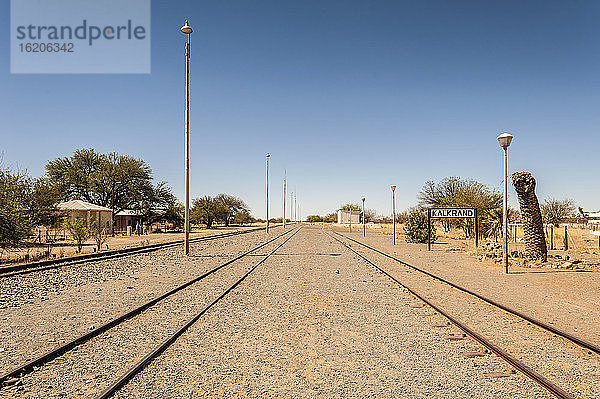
pixel 594 217
pixel 346 217
pixel 91 213
pixel 126 217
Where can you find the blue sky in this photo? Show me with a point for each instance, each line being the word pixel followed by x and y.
pixel 349 96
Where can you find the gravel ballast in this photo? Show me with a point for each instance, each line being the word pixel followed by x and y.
pixel 44 309
pixel 571 367
pixel 316 321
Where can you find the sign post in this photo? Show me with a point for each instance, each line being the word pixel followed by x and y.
pixel 451 213
pixel 429 229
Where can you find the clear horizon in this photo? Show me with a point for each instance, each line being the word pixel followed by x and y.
pixel 348 99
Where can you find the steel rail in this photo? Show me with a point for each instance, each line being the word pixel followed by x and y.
pixel 32 267
pixel 53 354
pixel 577 340
pixel 513 361
pixel 139 366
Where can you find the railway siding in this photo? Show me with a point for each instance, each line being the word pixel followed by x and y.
pixel 314 323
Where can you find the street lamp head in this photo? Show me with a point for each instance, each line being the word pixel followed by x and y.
pixel 363 199
pixel 187 29
pixel 504 139
pixel 268 155
pixel 393 187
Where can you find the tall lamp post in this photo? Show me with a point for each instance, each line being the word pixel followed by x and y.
pixel 363 214
pixel 393 187
pixel 505 139
pixel 284 194
pixel 187 29
pixel 268 156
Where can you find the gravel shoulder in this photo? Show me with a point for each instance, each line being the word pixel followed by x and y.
pixel 90 368
pixel 571 367
pixel 40 311
pixel 316 321
pixel 568 299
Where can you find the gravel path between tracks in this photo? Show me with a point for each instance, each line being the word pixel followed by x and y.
pixel 88 370
pixel 568 299
pixel 44 309
pixel 316 321
pixel 571 367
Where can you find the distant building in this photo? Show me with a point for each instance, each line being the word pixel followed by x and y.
pixel 344 217
pixel 125 218
pixel 594 217
pixel 91 213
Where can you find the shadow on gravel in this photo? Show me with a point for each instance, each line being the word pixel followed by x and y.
pixel 554 271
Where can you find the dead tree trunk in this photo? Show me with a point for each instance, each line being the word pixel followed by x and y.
pixel 535 241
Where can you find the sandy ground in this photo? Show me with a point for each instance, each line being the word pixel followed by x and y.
pixel 561 295
pixel 568 298
pixel 316 322
pixel 313 321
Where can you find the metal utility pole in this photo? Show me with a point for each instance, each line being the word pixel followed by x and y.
pixel 268 156
pixel 393 187
pixel 187 29
pixel 363 215
pixel 350 220
pixel 505 139
pixel 284 194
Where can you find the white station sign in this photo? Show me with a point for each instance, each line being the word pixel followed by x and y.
pixel 452 213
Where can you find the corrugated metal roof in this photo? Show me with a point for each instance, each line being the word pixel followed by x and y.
pixel 128 212
pixel 79 205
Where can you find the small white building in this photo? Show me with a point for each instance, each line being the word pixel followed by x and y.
pixel 594 217
pixel 91 213
pixel 345 217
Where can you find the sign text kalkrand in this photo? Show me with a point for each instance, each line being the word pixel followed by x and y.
pixel 447 213
pixel 452 213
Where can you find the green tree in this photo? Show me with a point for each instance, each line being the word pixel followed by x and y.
pixel 158 202
pixel 115 181
pixel 490 223
pixel 330 218
pixel 228 207
pixel 314 218
pixel 242 217
pixel 15 199
pixel 44 198
pixel 416 227
pixel 460 193
pixel 351 207
pixel 79 231
pixel 174 214
pixel 203 211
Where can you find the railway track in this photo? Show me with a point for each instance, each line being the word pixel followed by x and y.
pixel 570 337
pixel 510 359
pixel 22 370
pixel 32 267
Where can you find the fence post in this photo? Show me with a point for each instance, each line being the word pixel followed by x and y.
pixel 551 236
pixel 566 239
pixel 476 228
